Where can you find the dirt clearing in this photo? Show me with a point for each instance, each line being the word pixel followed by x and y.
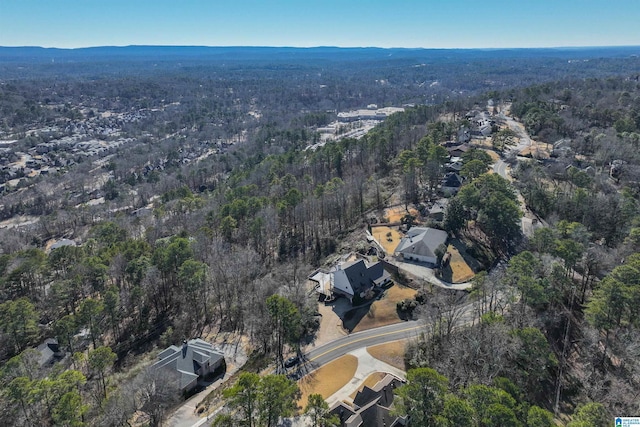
pixel 537 150
pixel 395 214
pixel 494 156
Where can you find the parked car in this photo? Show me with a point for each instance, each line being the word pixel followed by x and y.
pixel 292 361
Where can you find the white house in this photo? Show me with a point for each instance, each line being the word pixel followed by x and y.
pixel 350 279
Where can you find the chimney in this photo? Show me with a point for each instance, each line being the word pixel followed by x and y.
pixel 184 348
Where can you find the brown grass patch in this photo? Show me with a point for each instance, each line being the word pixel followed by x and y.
pixel 537 150
pixel 370 381
pixel 389 243
pixel 383 311
pixel 461 272
pixel 494 156
pixel 396 214
pixel 391 353
pixel 328 379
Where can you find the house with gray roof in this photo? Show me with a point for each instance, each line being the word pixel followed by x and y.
pixel 357 278
pixel 63 242
pixel 451 184
pixel 420 244
pixel 372 406
pixel 194 360
pixel 350 279
pixel 438 209
pixel 49 352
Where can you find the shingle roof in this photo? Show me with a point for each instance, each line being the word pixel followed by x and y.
pixel 382 391
pixel 362 277
pixel 49 350
pixel 452 180
pixel 372 406
pixel 421 241
pixel 188 359
pixel 357 275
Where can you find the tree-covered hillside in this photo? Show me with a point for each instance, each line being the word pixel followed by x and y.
pixel 195 226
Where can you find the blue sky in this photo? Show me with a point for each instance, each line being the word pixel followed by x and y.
pixel 304 23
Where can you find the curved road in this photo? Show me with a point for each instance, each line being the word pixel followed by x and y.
pixel 331 351
pixel 500 167
pixel 328 352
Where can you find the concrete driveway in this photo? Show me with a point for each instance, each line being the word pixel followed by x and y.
pixel 422 272
pixel 367 365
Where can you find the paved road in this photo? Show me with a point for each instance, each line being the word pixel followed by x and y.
pixel 328 352
pixel 520 131
pixel 420 271
pixel 500 167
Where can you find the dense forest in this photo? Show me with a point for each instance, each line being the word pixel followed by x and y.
pixel 239 210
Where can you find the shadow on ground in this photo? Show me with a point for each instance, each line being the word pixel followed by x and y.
pixel 352 315
pixel 207 380
pixel 446 273
pixel 471 261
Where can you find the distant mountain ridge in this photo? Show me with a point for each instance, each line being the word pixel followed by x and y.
pixel 240 53
pixel 406 69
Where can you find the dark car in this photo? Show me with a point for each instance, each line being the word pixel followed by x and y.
pixel 294 375
pixel 292 361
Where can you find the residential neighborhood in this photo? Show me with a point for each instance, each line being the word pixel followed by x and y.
pixel 311 237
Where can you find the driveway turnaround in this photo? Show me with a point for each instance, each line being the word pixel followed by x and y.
pixel 367 365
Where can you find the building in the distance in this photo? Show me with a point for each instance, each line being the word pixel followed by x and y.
pixel 368 114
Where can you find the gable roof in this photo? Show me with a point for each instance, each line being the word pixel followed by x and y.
pixel 439 207
pixel 452 180
pixel 382 392
pixel 188 359
pixel 372 406
pixel 462 148
pixel 356 272
pixel 422 241
pixel 345 414
pixel 362 277
pixel 49 351
pixel 378 274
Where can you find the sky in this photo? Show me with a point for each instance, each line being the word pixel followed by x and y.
pixel 307 23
